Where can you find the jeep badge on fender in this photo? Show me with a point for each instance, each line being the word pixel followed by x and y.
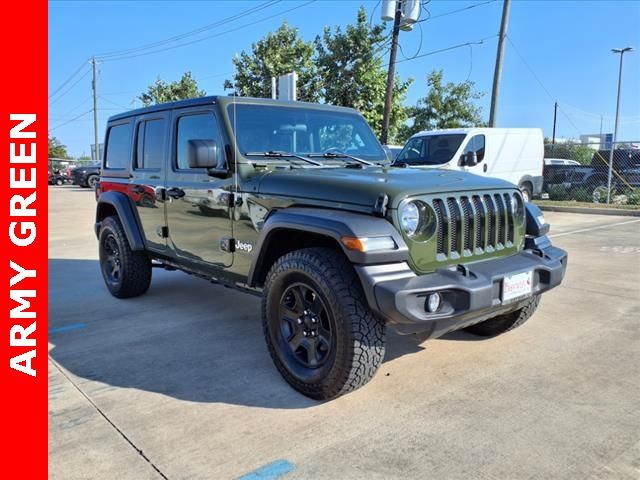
pixel 339 242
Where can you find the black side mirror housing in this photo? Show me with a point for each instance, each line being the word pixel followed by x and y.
pixel 204 153
pixel 469 159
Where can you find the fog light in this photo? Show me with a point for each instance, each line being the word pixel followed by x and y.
pixel 433 302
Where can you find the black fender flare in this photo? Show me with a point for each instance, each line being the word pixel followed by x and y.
pixel 126 213
pixel 333 224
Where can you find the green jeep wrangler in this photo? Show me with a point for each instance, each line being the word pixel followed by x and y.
pixel 298 203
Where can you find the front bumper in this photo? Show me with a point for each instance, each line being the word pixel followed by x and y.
pixel 471 293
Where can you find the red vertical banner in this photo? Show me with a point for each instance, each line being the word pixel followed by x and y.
pixel 23 195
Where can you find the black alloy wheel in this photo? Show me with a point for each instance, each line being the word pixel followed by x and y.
pixel 305 325
pixel 111 262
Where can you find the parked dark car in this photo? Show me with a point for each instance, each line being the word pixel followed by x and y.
pixel 556 171
pixel 57 178
pixel 86 176
pixel 595 176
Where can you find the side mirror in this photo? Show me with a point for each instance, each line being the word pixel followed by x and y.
pixel 205 154
pixel 469 159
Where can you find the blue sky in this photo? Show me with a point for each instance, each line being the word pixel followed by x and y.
pixel 558 51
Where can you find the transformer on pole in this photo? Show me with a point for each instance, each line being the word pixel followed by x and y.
pixel 405 14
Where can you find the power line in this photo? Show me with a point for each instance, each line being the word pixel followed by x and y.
pixel 124 57
pixel 526 64
pixel 113 103
pixel 190 33
pixel 82 65
pixel 433 17
pixel 453 47
pixel 419 46
pixel 78 106
pixel 68 89
pixel 71 120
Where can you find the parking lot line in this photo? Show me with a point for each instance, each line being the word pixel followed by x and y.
pixel 271 471
pixel 66 328
pixel 593 228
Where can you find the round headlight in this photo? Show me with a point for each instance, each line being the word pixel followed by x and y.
pixel 410 217
pixel 517 205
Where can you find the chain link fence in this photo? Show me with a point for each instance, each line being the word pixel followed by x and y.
pixel 584 172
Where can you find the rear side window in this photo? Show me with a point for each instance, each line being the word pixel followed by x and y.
pixel 201 126
pixel 118 151
pixel 151 144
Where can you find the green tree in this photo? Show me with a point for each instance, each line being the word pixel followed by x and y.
pixel 279 53
pixel 162 92
pixel 446 105
pixel 351 66
pixel 569 150
pixel 56 148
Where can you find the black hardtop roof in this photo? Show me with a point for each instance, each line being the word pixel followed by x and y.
pixel 224 100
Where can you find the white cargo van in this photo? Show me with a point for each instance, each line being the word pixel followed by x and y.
pixel 512 154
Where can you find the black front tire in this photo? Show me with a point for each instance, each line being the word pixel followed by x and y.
pixel 504 323
pixel 126 273
pixel 354 339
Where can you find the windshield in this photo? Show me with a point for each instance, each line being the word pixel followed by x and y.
pixel 430 149
pixel 304 131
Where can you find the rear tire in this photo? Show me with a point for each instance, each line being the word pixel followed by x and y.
pixel 527 192
pixel 504 323
pixel 126 273
pixel 321 335
pixel 92 181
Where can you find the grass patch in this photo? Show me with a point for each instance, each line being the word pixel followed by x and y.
pixel 573 203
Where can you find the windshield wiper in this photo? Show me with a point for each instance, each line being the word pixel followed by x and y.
pixel 279 154
pixel 341 155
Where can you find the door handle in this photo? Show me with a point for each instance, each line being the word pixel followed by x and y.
pixel 138 189
pixel 175 192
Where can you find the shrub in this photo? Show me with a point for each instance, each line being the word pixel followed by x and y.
pixel 633 197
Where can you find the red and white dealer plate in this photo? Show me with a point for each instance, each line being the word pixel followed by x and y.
pixel 517 287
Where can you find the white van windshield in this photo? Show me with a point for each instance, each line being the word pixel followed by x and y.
pixel 430 149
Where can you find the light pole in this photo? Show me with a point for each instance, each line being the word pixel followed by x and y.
pixel 621 51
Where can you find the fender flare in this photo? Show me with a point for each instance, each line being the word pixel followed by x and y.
pixel 126 213
pixel 333 224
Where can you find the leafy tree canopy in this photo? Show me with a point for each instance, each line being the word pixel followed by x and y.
pixel 446 105
pixel 279 53
pixel 353 74
pixel 56 148
pixel 162 92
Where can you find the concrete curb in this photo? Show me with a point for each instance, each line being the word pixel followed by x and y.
pixel 591 211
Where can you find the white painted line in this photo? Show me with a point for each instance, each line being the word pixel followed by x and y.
pixel 594 228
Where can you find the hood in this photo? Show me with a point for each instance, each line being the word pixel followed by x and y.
pixel 363 186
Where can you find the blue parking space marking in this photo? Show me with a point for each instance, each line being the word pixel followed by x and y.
pixel 271 471
pixel 66 328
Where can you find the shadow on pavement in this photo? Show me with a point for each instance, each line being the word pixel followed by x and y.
pixel 185 338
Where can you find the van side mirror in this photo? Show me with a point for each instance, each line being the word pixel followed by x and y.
pixel 469 159
pixel 204 153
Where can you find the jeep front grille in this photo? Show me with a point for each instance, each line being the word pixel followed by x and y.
pixel 473 224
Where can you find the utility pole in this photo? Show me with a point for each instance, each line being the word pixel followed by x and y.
pixel 95 109
pixel 388 99
pixel 497 74
pixel 621 51
pixel 555 116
